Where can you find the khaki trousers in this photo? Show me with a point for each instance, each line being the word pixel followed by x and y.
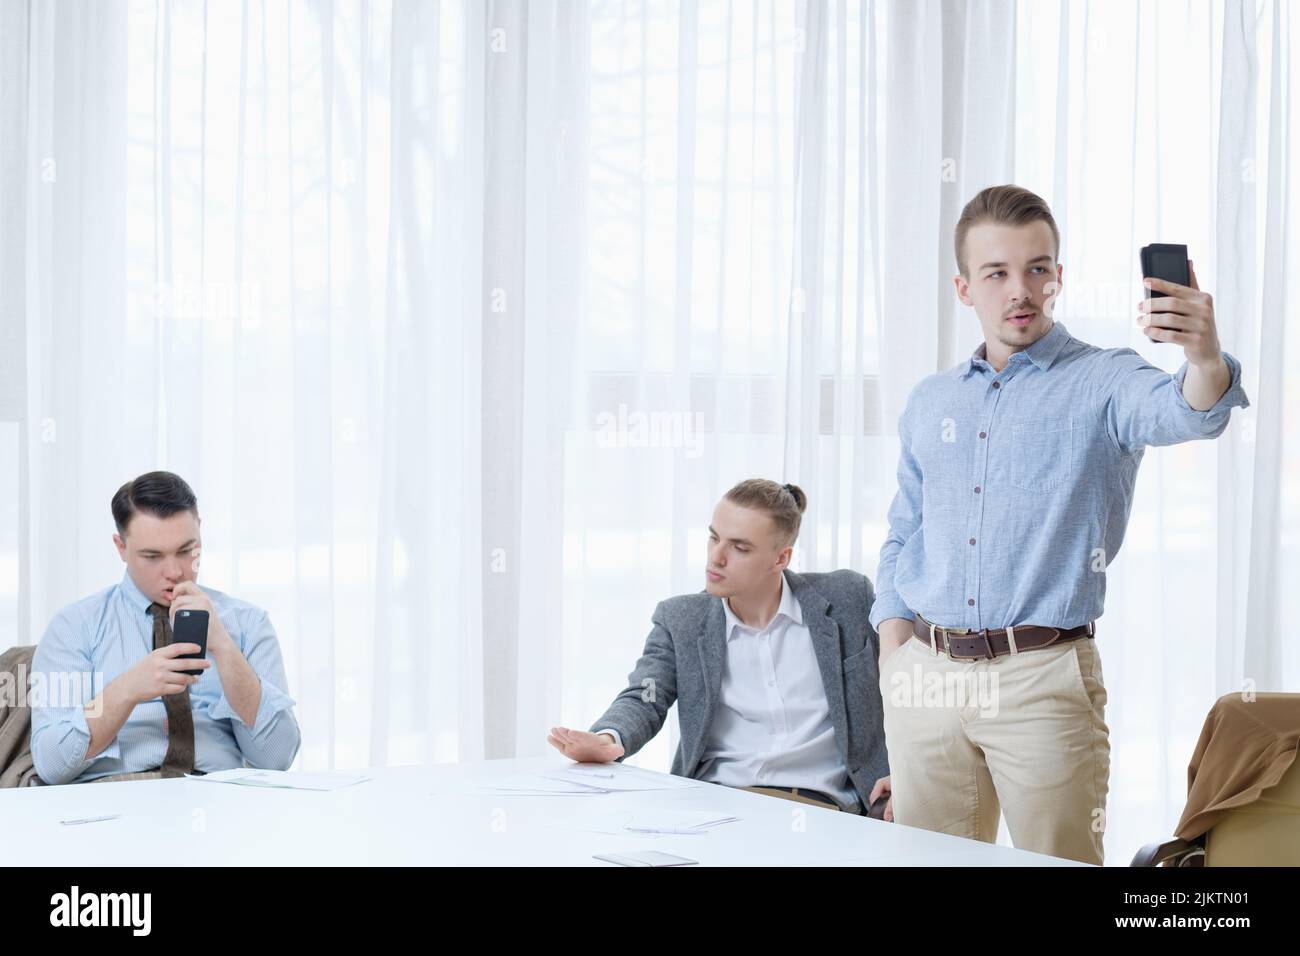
pixel 1022 734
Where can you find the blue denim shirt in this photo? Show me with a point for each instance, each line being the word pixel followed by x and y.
pixel 1014 487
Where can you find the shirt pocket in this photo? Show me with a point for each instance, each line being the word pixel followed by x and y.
pixel 1042 453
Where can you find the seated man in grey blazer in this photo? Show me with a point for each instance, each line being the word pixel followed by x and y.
pixel 774 673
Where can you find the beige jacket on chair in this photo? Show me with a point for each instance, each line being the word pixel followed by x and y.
pixel 16 767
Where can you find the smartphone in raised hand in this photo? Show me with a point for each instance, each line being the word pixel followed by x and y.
pixel 1166 261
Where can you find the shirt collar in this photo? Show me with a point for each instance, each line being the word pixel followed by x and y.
pixel 1042 353
pixel 787 606
pixel 133 594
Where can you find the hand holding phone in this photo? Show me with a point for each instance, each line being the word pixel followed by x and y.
pixel 191 627
pixel 1178 311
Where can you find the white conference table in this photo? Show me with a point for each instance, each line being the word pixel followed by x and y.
pixel 441 814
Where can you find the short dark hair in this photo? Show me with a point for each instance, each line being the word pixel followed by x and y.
pixel 159 493
pixel 1005 205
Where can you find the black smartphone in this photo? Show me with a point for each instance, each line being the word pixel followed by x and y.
pixel 1166 261
pixel 191 627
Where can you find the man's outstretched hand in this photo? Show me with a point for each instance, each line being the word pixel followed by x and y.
pixel 584 747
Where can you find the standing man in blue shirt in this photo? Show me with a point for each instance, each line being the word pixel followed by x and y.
pixel 147 718
pixel 1015 481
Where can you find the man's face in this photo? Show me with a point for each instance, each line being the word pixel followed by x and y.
pixel 160 553
pixel 744 551
pixel 1014 281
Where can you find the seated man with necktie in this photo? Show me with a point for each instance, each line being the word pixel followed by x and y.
pixel 139 715
pixel 773 673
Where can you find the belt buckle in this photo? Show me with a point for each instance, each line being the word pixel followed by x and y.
pixel 934 646
pixel 947 645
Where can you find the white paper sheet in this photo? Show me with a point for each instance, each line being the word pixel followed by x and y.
pixel 282 779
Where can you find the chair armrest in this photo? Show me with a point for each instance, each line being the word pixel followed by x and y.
pixel 1155 854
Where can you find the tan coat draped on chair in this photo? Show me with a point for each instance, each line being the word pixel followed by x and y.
pixel 16 767
pixel 1246 747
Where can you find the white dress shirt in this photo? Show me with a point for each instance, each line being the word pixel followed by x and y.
pixel 772 725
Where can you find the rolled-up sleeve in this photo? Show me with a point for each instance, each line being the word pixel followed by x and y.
pixel 1144 405
pixel 63 683
pixel 273 740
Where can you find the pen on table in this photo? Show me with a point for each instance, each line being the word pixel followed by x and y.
pixel 111 816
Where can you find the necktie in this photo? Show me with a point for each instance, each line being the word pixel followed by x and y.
pixel 180 718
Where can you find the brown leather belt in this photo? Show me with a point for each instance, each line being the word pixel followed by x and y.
pixel 963 644
pixel 802 792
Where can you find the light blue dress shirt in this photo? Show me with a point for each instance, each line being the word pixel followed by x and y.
pixel 108 633
pixel 1014 487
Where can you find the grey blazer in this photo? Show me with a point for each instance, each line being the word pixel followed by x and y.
pixel 686 651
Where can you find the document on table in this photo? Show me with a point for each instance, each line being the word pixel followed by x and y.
pixel 536 784
pixel 677 821
pixel 587 779
pixel 282 779
pixel 613 778
pixel 647 823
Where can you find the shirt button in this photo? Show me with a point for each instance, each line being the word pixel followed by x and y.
pixel 972 540
pixel 977 489
pixel 970 601
pixel 997 384
pixel 984 434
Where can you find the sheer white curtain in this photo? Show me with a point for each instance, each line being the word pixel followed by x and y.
pixel 1139 123
pixel 1172 122
pixel 320 259
pixel 460 316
